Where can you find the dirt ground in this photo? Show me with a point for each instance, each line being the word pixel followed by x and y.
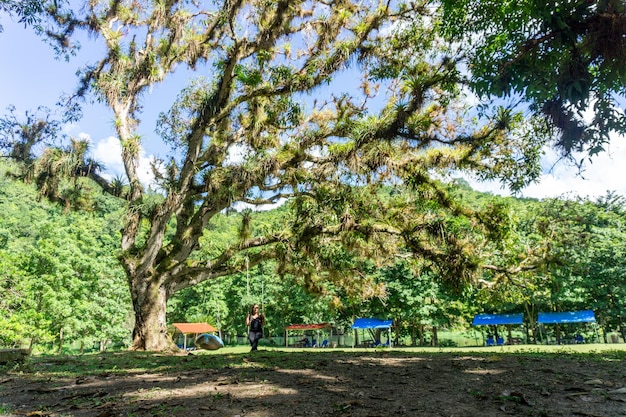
pixel 320 383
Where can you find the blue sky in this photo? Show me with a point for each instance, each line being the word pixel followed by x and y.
pixel 30 76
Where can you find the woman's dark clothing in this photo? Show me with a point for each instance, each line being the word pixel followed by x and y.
pixel 256 332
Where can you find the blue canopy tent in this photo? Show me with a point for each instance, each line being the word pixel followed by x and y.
pixel 566 317
pixel 582 316
pixel 373 324
pixel 493 319
pixel 499 319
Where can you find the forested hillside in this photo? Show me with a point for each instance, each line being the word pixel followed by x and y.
pixel 61 281
pixel 62 284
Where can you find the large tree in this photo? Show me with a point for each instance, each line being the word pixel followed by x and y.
pixel 268 90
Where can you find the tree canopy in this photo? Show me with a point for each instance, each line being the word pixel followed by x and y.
pixel 62 284
pixel 565 58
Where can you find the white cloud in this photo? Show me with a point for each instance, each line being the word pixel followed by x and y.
pixel 237 154
pixel 240 205
pixel 109 152
pixel 602 173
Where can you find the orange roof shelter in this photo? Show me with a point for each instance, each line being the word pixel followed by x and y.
pixel 302 327
pixel 315 326
pixel 193 328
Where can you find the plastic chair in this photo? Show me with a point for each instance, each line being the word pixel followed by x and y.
pixel 490 341
pixel 324 343
pixel 500 341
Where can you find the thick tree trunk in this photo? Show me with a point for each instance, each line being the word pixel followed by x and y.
pixel 150 330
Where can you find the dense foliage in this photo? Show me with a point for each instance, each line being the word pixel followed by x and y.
pixel 60 276
pixel 62 285
pixel 264 118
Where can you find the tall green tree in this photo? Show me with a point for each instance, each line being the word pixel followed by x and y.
pixel 415 299
pixel 574 242
pixel 267 90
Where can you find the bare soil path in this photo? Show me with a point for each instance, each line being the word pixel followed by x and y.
pixel 317 383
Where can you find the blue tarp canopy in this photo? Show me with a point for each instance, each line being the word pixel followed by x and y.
pixel 567 317
pixel 493 319
pixel 369 323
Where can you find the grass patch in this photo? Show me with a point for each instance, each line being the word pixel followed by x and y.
pixel 128 362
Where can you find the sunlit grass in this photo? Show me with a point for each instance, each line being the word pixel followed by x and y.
pixel 581 348
pixel 128 363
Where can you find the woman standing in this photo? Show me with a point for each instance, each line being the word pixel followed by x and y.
pixel 255 322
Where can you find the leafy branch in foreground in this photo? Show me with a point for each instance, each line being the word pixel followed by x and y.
pixel 566 60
